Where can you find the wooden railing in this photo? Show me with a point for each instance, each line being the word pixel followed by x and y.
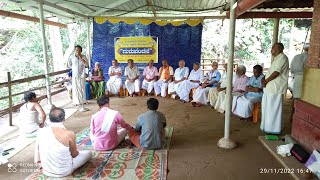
pixel 11 82
pixel 206 64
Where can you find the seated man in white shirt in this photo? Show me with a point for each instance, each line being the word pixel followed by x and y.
pixel 132 82
pixel 180 74
pixel 150 74
pixel 114 83
pixel 195 78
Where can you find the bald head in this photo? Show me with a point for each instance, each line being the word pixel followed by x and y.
pixel 57 115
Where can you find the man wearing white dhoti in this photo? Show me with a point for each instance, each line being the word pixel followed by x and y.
pixel 132 82
pixel 194 80
pixel 297 66
pixel 213 92
pixel 56 149
pixel 165 76
pixel 275 83
pixel 114 83
pixel 210 80
pixel 242 105
pixel 150 74
pixel 180 74
pixel 78 62
pixel 239 88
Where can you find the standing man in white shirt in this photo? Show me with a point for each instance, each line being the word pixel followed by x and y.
pixel 180 74
pixel 132 82
pixel 194 80
pixel 276 84
pixel 78 63
pixel 114 83
pixel 150 74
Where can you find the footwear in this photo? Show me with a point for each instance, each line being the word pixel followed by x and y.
pixel 193 104
pixel 173 96
pixel 183 101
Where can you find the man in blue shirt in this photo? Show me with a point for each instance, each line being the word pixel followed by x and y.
pixel 242 105
pixel 149 131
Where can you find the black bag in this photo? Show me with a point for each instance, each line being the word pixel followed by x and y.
pixel 299 153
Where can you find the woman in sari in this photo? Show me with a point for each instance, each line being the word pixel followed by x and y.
pixel 97 81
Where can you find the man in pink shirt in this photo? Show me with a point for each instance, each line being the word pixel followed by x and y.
pixel 239 87
pixel 107 127
pixel 150 74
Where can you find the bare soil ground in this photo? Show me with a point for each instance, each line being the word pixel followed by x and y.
pixel 193 153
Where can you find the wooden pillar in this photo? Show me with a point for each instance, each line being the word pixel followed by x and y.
pixel 10 98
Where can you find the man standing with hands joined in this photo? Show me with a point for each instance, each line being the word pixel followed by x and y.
pixel 276 84
pixel 78 63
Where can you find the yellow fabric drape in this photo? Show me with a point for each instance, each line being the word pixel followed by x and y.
pixel 193 22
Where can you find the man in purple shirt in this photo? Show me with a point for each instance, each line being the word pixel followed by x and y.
pixel 107 127
pixel 150 74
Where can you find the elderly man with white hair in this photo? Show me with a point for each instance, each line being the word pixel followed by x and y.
pixel 239 88
pixel 132 82
pixel 150 74
pixel 297 66
pixel 194 80
pixel 114 83
pixel 180 74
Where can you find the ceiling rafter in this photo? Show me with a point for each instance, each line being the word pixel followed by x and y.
pixel 113 4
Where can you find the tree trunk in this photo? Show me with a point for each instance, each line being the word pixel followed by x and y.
pixel 56 46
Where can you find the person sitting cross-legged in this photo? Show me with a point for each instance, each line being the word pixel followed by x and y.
pixel 242 105
pixel 56 149
pixel 149 130
pixel 107 128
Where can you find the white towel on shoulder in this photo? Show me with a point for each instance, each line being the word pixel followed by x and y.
pixel 108 120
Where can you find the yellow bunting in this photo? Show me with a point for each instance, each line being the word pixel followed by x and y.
pixel 193 22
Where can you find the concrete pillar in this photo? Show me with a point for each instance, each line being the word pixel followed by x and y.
pixel 45 56
pixel 226 142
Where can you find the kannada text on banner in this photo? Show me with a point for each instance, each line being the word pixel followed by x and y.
pixel 140 49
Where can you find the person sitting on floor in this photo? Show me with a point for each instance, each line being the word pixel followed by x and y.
pixel 97 81
pixel 56 149
pixel 150 74
pixel 239 88
pixel 149 131
pixel 180 75
pixel 211 80
pixel 132 82
pixel 29 115
pixel 107 127
pixel 242 105
pixel 165 76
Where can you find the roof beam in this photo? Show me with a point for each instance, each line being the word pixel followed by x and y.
pixel 150 5
pixel 113 4
pixel 61 8
pixel 246 5
pixel 29 18
pixel 252 15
